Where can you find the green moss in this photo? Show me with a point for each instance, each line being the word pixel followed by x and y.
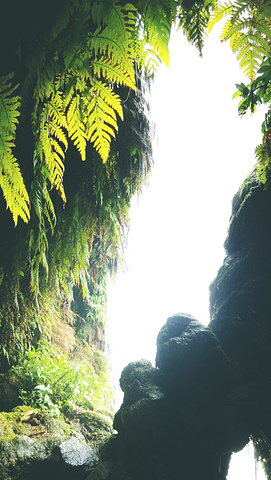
pixel 95 425
pixel 100 363
pixel 25 420
pixel 11 423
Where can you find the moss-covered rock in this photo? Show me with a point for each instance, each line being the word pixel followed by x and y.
pixel 33 444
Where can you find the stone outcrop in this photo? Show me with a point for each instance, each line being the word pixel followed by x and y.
pixel 34 445
pixel 182 419
pixel 211 389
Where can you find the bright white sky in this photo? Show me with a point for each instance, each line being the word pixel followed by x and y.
pixel 203 152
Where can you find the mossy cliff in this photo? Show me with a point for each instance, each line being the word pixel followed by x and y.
pixel 53 308
pixel 210 391
pixel 208 394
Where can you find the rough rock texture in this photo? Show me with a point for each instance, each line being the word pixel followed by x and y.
pixel 33 445
pixel 211 389
pixel 240 295
pixel 182 419
pixel 240 306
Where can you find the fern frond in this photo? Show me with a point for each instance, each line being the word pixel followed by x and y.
pixel 194 23
pixel 54 143
pixel 40 197
pixel 105 42
pixel 75 126
pixel 249 30
pixel 120 18
pixel 220 11
pixel 156 23
pixel 110 98
pixel 14 191
pixel 102 121
pixel 63 19
pixel 105 68
pixel 11 180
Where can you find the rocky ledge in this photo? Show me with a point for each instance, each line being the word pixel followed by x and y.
pixel 34 445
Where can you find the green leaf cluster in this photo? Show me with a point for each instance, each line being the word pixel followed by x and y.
pixel 248 29
pixel 50 381
pixel 68 82
pixel 53 275
pixel 11 180
pixel 76 120
pixel 194 20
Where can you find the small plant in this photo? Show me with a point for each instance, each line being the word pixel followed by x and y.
pixel 53 382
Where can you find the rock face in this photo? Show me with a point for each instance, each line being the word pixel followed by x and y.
pixel 211 388
pixel 240 305
pixel 240 295
pixel 209 392
pixel 34 445
pixel 178 420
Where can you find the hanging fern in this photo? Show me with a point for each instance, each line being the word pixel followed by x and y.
pixel 152 33
pixel 73 72
pixel 249 30
pixel 11 180
pixel 75 125
pixel 194 21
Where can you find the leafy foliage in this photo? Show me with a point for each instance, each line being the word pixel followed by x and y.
pixel 11 180
pixel 253 94
pixel 83 140
pixel 53 382
pixel 71 78
pixel 249 30
pixel 194 21
pixel 72 265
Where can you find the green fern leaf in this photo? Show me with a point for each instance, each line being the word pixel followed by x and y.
pixel 11 180
pixel 104 68
pixel 102 122
pixel 156 23
pixel 13 188
pixel 249 30
pixel 219 12
pixel 75 126
pixel 53 123
pixel 105 42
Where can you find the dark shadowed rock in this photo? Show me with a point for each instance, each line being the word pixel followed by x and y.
pixel 166 408
pixel 189 356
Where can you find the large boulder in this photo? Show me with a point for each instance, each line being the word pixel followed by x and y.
pixel 143 405
pixel 190 357
pixel 34 445
pixel 184 409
